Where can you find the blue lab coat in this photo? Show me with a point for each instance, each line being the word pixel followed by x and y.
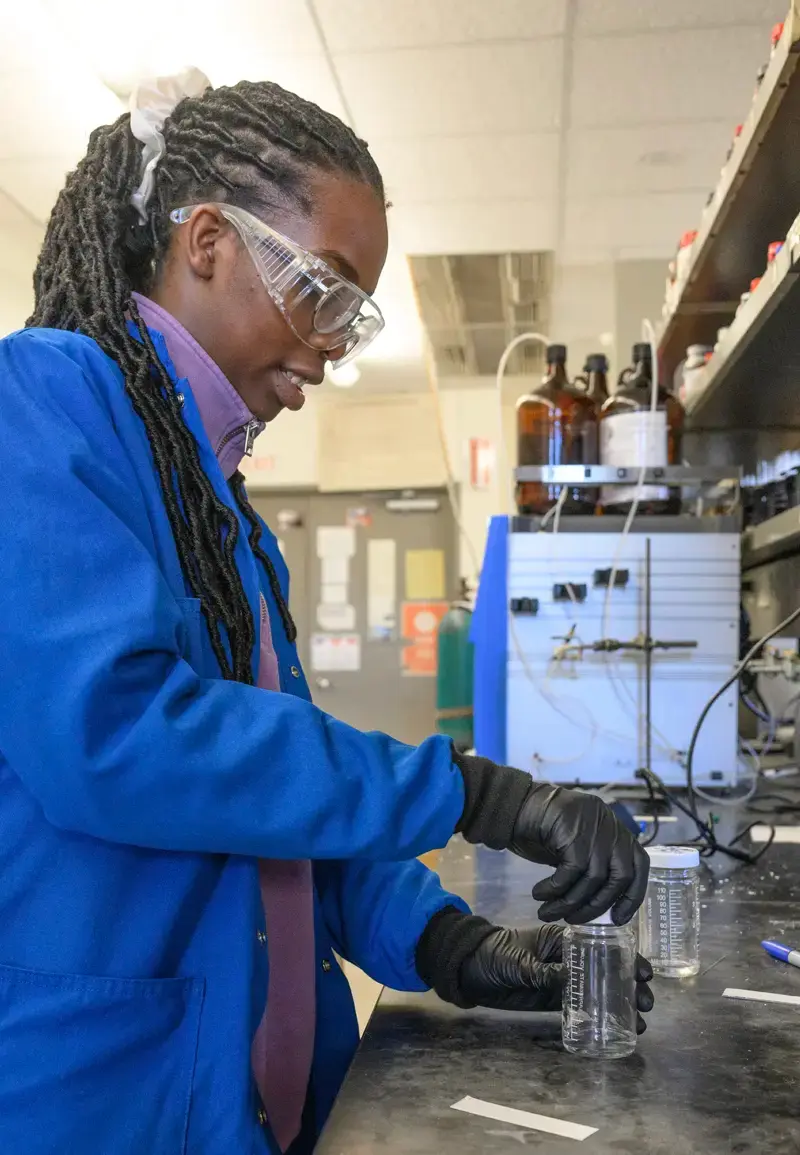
pixel 138 788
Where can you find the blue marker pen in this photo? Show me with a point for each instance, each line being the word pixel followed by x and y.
pixel 782 953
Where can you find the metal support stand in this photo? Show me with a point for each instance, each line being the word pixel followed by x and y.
pixel 648 658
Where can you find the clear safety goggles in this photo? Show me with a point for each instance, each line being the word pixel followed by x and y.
pixel 325 310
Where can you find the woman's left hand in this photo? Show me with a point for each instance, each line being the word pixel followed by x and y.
pixel 472 963
pixel 520 970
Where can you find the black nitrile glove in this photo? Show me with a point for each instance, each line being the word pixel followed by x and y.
pixel 599 864
pixel 471 963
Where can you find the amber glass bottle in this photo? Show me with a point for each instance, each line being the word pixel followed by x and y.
pixel 632 434
pixel 595 379
pixel 556 425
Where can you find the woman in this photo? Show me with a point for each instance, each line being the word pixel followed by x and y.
pixel 186 839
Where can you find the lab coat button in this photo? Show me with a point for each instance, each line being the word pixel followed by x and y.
pixel 261 936
pixel 327 965
pixel 294 672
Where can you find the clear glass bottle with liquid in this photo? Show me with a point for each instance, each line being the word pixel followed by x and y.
pixel 669 917
pixel 633 434
pixel 556 425
pixel 599 1018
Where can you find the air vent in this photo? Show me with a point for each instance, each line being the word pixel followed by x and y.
pixel 473 305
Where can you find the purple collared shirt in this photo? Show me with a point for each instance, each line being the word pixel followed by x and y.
pixel 283 1045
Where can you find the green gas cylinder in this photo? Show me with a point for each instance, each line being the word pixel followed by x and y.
pixel 454 674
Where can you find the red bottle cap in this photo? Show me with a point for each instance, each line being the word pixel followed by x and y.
pixel 773 250
pixel 688 238
pixel 737 131
pixel 756 281
pixel 777 32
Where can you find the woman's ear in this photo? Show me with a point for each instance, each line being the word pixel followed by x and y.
pixel 200 239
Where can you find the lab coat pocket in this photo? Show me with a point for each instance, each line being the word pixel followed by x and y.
pixel 100 1066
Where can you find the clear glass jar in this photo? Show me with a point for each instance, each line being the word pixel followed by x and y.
pixel 669 917
pixel 599 1020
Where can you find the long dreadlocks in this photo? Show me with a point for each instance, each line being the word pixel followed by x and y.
pixel 223 145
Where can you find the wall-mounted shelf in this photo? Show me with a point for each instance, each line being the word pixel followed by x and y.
pixel 777 537
pixel 577 476
pixel 753 379
pixel 755 202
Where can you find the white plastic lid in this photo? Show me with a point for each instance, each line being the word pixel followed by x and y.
pixel 603 920
pixel 673 857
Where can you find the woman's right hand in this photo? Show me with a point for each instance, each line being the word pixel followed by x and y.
pixel 599 864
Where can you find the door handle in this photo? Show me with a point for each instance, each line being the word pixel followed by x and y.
pixel 322 683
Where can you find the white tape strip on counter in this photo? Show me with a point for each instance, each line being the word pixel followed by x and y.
pixel 782 833
pixel 526 1119
pixel 761 997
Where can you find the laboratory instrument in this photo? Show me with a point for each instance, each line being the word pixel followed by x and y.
pixel 567 672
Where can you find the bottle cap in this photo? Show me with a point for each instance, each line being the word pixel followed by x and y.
pixel 596 363
pixel 603 920
pixel 673 857
pixel 688 238
pixel 641 352
pixel 777 32
pixel 556 354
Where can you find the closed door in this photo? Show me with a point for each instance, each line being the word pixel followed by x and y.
pixel 369 585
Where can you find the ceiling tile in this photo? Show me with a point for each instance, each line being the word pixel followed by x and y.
pixel 21 40
pixel 13 216
pixel 656 158
pixel 481 88
pixel 668 77
pixel 309 75
pixel 364 26
pixel 20 241
pixel 475 227
pixel 595 16
pixel 652 222
pixel 165 35
pixel 447 168
pixel 284 26
pixel 53 113
pixel 35 183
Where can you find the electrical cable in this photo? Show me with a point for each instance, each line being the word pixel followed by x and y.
pixel 741 665
pixel 737 799
pixel 751 706
pixel 706 840
pixel 450 479
pixel 506 469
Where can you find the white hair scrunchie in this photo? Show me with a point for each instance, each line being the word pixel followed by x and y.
pixel 151 103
